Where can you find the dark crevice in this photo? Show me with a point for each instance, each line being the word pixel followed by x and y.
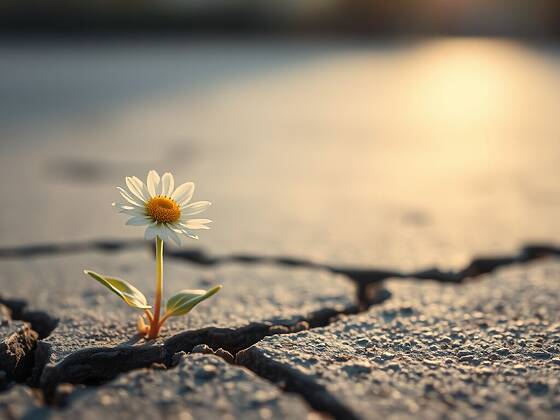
pixel 95 366
pixel 38 250
pixel 17 359
pixel 233 340
pixel 290 380
pixel 362 277
pixel 40 321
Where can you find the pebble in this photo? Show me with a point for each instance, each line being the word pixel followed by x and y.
pixel 207 371
pixel 503 351
pixel 541 355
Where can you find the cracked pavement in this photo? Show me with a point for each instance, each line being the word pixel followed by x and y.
pixel 199 386
pixel 318 213
pixel 91 317
pixel 488 348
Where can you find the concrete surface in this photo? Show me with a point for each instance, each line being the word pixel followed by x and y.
pixel 486 349
pixel 89 316
pixel 199 387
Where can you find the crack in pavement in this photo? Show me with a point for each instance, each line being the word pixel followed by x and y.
pixel 40 321
pixel 498 339
pixel 92 366
pixel 22 348
pixel 291 380
pixel 17 345
pixel 362 277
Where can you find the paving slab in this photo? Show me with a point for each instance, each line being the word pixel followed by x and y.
pixel 400 179
pixel 17 343
pixel 486 349
pixel 201 386
pixel 90 317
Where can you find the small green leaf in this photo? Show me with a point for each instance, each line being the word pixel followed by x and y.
pixel 126 291
pixel 185 300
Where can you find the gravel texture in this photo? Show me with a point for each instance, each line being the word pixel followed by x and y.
pixel 197 386
pixel 486 349
pixel 200 387
pixel 90 317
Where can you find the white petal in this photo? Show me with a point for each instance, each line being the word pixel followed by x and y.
pixel 153 183
pixel 183 194
pixel 138 221
pixel 142 187
pixel 167 184
pixel 198 227
pixel 200 221
pixel 128 198
pixel 137 188
pixel 195 208
pixel 197 223
pixel 162 232
pixel 190 234
pixel 171 234
pixel 187 232
pixel 125 206
pixel 150 233
pixel 133 212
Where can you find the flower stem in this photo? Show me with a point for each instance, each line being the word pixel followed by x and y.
pixel 149 314
pixel 155 324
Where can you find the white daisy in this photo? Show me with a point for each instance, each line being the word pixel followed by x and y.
pixel 162 207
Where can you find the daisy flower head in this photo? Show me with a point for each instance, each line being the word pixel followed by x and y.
pixel 165 210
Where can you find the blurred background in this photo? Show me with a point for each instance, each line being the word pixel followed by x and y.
pixel 387 133
pixel 473 17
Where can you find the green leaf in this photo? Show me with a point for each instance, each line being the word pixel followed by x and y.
pixel 185 300
pixel 126 291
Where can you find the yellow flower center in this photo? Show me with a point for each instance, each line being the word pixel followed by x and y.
pixel 163 209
